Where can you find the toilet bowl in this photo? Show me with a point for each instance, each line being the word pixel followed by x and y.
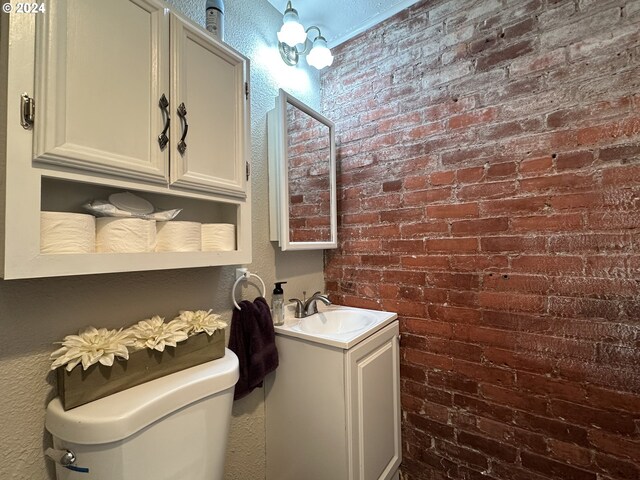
pixel 172 428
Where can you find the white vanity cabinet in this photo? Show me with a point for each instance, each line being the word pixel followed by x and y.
pixel 98 72
pixel 335 413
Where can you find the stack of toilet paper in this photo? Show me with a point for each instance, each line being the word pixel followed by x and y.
pixel 179 237
pixel 125 235
pixel 62 232
pixel 218 236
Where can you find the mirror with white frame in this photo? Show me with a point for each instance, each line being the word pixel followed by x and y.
pixel 302 176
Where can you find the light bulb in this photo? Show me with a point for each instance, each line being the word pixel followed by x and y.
pixel 320 55
pixel 292 31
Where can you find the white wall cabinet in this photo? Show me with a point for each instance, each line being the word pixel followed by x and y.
pixel 211 83
pixel 334 413
pixel 97 77
pixel 101 68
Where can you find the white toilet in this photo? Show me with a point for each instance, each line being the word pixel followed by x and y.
pixel 172 428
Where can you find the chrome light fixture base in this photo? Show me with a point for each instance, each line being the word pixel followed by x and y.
pixel 289 55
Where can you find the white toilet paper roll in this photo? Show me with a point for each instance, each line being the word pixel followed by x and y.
pixel 218 236
pixel 178 237
pixel 125 235
pixel 62 232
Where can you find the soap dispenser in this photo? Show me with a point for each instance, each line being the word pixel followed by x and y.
pixel 277 304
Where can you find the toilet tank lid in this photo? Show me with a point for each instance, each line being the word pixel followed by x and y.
pixel 122 414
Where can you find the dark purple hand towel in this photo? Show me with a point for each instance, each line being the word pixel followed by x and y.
pixel 252 339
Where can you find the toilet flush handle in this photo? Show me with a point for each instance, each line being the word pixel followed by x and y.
pixel 63 457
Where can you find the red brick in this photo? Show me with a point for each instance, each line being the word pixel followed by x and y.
pixel 456 210
pixel 512 302
pixel 452 244
pixel 554 468
pixel 574 160
pixel 454 314
pixel 512 244
pixel 479 263
pixel 426 196
pixel 487 190
pixel 482 408
pixel 547 223
pixel 404 246
pixel 553 387
pixel 431 427
pixel 554 265
pixel 522 361
pixel 607 398
pixel 481 226
pixel 557 429
pixel 442 178
pixel 427 262
pixel 581 415
pixel 422 228
pixel 563 181
pixel 576 200
pixel 621 176
pixel 473 118
pixel 619 153
pixel 488 446
pixel 513 205
pixel 470 175
pixel 535 165
pixel 509 53
pixel 514 399
pixel 392 186
pixel 484 373
pixel 569 453
pixel 506 169
pixel 616 468
pixel 466 455
pixel 615 445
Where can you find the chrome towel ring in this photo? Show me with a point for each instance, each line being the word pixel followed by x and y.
pixel 245 274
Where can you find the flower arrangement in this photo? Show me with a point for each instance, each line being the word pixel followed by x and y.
pixel 100 345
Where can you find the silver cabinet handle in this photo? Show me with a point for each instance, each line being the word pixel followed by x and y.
pixel 182 113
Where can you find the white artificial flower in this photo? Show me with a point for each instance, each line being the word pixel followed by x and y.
pixel 155 334
pixel 201 321
pixel 90 346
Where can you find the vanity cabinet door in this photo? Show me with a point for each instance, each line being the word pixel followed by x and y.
pixel 373 392
pixel 209 92
pixel 101 69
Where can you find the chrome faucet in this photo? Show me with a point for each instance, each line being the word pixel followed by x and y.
pixel 308 306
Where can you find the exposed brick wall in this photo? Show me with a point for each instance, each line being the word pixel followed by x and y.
pixel 489 192
pixel 309 148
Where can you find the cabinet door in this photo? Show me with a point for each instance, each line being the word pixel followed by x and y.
pixel 373 404
pixel 209 79
pixel 101 68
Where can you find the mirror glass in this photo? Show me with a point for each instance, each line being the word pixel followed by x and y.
pixel 302 176
pixel 309 163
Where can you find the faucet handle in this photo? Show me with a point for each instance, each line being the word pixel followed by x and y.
pixel 299 307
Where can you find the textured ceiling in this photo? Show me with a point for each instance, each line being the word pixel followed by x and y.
pixel 341 20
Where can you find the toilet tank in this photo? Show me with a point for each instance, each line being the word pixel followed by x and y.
pixel 171 428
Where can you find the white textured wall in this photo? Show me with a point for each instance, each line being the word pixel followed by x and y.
pixel 36 313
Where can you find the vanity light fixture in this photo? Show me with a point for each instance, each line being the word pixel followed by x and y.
pixel 293 34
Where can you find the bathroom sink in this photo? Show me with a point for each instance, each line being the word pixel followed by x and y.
pixel 336 321
pixel 335 325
